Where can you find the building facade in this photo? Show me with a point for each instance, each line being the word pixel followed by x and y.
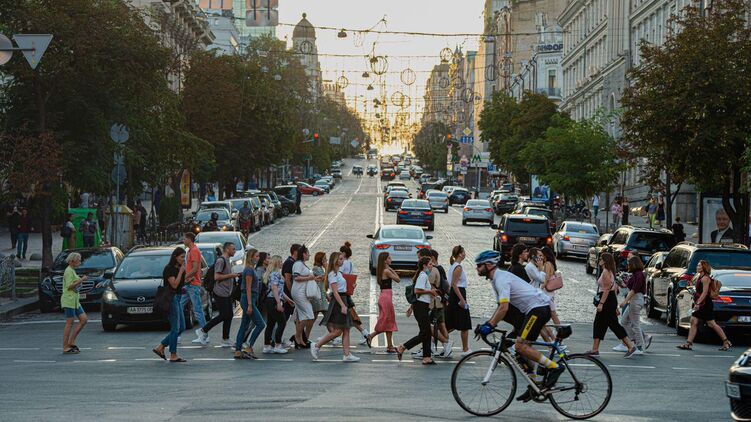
pixel 543 72
pixel 304 46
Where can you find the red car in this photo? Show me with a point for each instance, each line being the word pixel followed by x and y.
pixel 306 189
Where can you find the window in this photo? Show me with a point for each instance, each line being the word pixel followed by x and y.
pixel 673 258
pixel 619 237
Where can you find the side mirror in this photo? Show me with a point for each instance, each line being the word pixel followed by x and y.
pixel 248 247
pixel 370 236
pixel 658 266
pixel 494 226
pixel 109 274
pixel 428 237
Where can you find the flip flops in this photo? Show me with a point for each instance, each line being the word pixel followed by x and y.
pixel 160 354
pixel 178 360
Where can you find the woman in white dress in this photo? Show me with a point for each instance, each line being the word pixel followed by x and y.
pixel 303 313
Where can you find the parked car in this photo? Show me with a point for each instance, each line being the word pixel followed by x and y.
pixel 738 387
pixel 732 309
pixel 574 238
pixel 401 242
pixel 219 204
pixel 323 184
pixel 505 203
pixel 336 173
pixel 267 208
pixel 531 230
pixel 404 175
pixel 460 196
pixel 288 206
pixel 394 199
pixel 643 242
pixel 438 200
pixel 678 269
pixel 129 298
pixel 278 208
pixel 650 269
pixel 477 210
pixel 241 245
pixel 416 212
pixel 288 191
pixel 593 255
pixel 95 264
pixel 307 189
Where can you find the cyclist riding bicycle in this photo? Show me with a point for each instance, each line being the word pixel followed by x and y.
pixel 244 217
pixel 512 294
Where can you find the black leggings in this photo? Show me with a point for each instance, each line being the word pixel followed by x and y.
pixel 422 315
pixel 276 318
pixel 608 319
pixel 224 304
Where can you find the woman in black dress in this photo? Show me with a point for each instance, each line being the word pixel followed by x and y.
pixel 703 307
pixel 457 313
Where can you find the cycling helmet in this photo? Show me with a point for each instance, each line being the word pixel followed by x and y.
pixel 486 257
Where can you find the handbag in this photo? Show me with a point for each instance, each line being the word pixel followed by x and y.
pixel 596 299
pixel 555 282
pixel 351 280
pixel 163 300
pixel 312 291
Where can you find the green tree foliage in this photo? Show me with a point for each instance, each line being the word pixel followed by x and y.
pixel 576 159
pixel 430 146
pixel 688 110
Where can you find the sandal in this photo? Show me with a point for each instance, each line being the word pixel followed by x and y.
pixel 430 362
pixel 160 354
pixel 70 351
pixel 726 345
pixel 592 353
pixel 686 346
pixel 399 354
pixel 73 346
pixel 368 340
pixel 391 350
pixel 178 360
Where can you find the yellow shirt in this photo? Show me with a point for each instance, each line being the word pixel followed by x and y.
pixel 70 298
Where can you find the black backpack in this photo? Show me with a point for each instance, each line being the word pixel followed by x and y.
pixel 445 286
pixel 65 231
pixel 208 280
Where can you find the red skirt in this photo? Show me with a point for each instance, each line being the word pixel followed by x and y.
pixel 386 316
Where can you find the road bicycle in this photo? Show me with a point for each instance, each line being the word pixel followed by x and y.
pixel 484 382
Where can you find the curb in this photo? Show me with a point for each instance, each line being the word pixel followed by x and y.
pixel 21 306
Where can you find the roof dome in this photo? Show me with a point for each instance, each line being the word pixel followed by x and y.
pixel 304 29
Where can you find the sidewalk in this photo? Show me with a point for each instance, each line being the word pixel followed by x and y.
pixel 34 249
pixel 10 308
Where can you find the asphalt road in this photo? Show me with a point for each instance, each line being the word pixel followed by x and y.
pixel 116 377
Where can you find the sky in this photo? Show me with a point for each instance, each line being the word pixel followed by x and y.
pixel 435 16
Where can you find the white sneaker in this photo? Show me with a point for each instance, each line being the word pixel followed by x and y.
pixel 364 337
pixel 447 349
pixel 199 336
pixel 620 348
pixel 314 351
pixel 417 352
pixel 279 350
pixel 466 353
pixel 178 340
pixel 226 343
pixel 337 342
pixel 287 345
pixel 267 349
pixel 350 358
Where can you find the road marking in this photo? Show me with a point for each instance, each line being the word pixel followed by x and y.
pixel 682 369
pixel 8 349
pixel 276 360
pixel 213 359
pixel 632 366
pixel 147 359
pixel 315 239
pixel 327 360
pixel 125 348
pixel 675 355
pixel 55 321
pixel 95 361
pixel 33 361
pixel 715 356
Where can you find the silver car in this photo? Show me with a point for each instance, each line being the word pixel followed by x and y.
pixel 477 210
pixel 402 242
pixel 574 238
pixel 438 200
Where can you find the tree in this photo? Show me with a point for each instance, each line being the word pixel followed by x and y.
pixel 688 108
pixel 577 159
pixel 430 146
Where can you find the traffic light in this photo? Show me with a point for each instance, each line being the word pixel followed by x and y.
pixel 448 136
pixel 315 136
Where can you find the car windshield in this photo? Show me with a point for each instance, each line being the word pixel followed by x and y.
pixel 220 237
pixel 402 233
pixel 90 260
pixel 238 203
pixel 478 203
pixel 528 226
pixel 651 241
pixel 415 204
pixel 142 266
pixel 739 280
pixel 205 215
pixel 398 194
pixel 214 205
pixel 544 213
pixel 209 255
pixel 724 258
pixel 460 191
pixel 322 182
pixel 437 195
pixel 580 228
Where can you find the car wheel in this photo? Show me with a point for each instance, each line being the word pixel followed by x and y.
pixel 464 222
pixel 109 326
pixel 446 210
pixel 285 212
pixel 315 193
pixel 45 306
pixel 431 227
pixel 671 318
pixel 650 305
pixel 372 269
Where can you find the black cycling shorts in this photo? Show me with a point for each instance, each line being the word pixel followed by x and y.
pixel 534 321
pixel 515 317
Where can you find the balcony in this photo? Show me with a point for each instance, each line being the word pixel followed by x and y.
pixel 550 92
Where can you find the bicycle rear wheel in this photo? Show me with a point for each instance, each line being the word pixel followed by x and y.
pixel 468 389
pixel 587 397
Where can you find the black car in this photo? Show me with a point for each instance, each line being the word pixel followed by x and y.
pixel 288 191
pixel 639 241
pixel 129 299
pixel 95 263
pixel 679 267
pixel 506 203
pixel 394 199
pixel 738 388
pixel 459 196
pixel 416 212
pixel 531 230
pixel 545 212
pixel 732 308
pixel 278 208
pixel 288 206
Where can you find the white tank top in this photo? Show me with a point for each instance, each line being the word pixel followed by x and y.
pixel 462 278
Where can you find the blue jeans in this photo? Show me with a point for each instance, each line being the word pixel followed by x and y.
pixel 176 323
pixel 194 295
pixel 22 243
pixel 245 324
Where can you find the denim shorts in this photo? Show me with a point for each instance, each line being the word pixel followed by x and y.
pixel 70 312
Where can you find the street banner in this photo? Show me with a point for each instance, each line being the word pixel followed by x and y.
pixel 185 189
pixel 715 225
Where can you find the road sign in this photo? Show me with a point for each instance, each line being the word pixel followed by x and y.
pixel 333 140
pixel 33 46
pixel 118 174
pixel 467 131
pixel 354 144
pixel 7 46
pixel 491 167
pixel 119 133
pixel 467 140
pixel 119 159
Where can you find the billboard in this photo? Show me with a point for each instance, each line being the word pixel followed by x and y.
pixel 714 224
pixel 538 192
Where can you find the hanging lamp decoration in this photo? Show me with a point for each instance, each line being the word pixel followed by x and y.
pixel 370 87
pixel 342 82
pixel 379 65
pixel 365 74
pixel 408 76
pixel 342 34
pixel 446 55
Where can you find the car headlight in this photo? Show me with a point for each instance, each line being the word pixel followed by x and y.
pixel 224 228
pixel 109 296
pixel 239 262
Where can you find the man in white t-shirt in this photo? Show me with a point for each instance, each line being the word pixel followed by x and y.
pixel 511 290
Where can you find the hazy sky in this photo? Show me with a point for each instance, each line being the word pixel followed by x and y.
pixel 437 16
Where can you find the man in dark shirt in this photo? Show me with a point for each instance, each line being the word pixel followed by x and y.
pixel 677 229
pixel 13 217
pixel 519 255
pixel 24 228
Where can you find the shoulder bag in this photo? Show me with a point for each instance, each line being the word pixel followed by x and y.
pixel 555 282
pixel 163 300
pixel 312 291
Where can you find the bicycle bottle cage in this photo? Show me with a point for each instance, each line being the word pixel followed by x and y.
pixel 563 332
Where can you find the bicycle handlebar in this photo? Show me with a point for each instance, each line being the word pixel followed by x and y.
pixel 484 337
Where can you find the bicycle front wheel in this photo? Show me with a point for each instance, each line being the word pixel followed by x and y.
pixel 586 396
pixel 483 398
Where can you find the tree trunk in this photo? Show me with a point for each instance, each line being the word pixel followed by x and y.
pixel 668 201
pixel 47 194
pixel 737 210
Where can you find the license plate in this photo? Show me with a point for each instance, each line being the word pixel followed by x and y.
pixel 580 247
pixel 82 296
pixel 528 239
pixel 402 248
pixel 733 390
pixel 140 309
pixel 744 319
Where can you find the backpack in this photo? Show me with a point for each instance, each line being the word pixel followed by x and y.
pixel 445 286
pixel 409 294
pixel 263 291
pixel 208 280
pixel 65 230
pixel 714 288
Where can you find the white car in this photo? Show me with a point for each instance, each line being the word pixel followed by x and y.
pixel 401 242
pixel 448 189
pixel 241 245
pixel 404 175
pixel 438 200
pixel 477 210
